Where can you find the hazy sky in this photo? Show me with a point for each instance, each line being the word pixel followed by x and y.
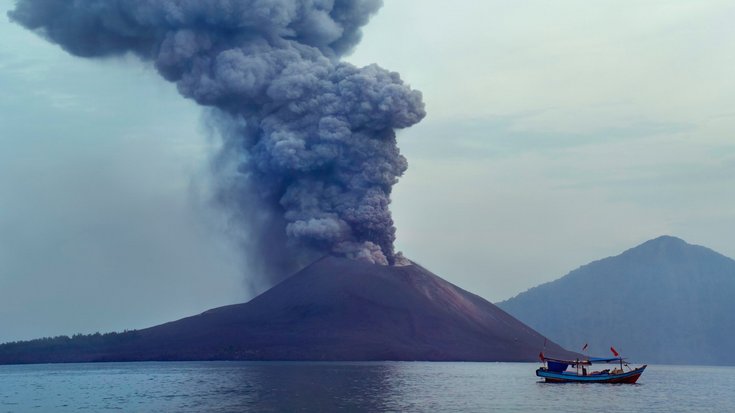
pixel 557 133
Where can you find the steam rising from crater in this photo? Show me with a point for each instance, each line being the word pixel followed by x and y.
pixel 309 154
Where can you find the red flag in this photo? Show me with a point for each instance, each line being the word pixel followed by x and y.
pixel 541 356
pixel 585 347
pixel 614 352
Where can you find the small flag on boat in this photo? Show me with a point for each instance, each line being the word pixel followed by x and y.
pixel 541 356
pixel 585 347
pixel 613 351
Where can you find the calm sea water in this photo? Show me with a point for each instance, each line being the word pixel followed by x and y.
pixel 352 387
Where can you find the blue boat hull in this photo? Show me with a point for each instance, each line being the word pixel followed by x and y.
pixel 562 377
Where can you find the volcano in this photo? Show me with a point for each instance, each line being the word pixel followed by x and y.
pixel 334 309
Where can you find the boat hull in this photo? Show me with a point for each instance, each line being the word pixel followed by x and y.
pixel 629 377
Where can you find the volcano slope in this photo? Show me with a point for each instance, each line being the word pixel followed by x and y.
pixel 334 309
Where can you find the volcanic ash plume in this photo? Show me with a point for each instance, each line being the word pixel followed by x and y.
pixel 312 138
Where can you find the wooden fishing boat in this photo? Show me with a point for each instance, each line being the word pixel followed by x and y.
pixel 555 371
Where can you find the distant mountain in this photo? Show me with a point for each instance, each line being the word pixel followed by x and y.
pixel 335 309
pixel 664 301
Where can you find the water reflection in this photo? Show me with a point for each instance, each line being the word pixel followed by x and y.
pixel 280 387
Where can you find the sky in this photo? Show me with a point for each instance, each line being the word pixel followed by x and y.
pixel 557 133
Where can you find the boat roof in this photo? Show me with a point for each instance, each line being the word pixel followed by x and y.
pixel 605 359
pixel 590 360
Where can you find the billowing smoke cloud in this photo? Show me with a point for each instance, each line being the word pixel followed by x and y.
pixel 309 153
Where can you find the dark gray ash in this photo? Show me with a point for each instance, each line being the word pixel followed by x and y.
pixel 309 154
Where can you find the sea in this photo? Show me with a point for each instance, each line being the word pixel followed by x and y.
pixel 350 387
